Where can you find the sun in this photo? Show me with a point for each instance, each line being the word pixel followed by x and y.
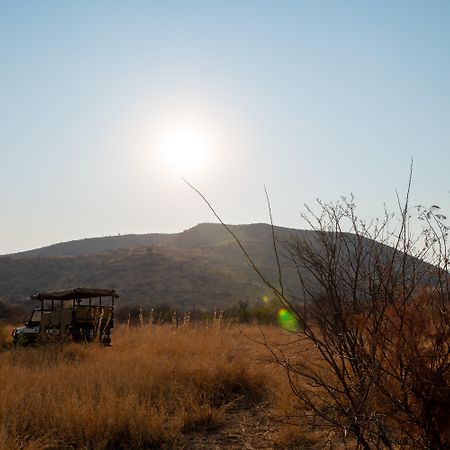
pixel 184 148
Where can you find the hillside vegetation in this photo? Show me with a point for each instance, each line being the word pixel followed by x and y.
pixel 363 364
pixel 201 267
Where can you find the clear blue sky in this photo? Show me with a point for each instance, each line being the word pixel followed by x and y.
pixel 312 98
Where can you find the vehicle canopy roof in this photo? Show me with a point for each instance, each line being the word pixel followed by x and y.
pixel 75 294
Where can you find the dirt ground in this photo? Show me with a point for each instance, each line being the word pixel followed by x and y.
pixel 245 426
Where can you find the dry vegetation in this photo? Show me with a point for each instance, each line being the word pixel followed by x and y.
pixel 367 365
pixel 371 363
pixel 197 386
pixel 203 270
pixel 157 387
pixel 5 336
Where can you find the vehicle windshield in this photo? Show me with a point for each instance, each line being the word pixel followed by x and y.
pixel 35 318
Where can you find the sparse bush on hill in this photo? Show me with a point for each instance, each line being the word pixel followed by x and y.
pixel 184 275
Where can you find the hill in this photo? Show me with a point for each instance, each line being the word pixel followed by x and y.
pixel 201 267
pixel 91 246
pixel 202 235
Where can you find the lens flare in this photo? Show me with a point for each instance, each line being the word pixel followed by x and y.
pixel 286 320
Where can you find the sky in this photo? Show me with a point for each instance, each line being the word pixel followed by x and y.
pixel 104 106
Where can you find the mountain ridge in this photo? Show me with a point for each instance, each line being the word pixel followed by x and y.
pixel 199 267
pixel 185 239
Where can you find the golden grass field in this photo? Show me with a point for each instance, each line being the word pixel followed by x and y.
pixel 157 387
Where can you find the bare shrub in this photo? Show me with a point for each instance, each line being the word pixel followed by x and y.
pixel 370 360
pixel 376 313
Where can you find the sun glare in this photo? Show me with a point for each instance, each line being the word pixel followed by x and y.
pixel 184 148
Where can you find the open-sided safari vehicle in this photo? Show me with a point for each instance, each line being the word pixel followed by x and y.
pixel 80 315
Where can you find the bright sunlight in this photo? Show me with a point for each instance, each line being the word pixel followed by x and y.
pixel 184 148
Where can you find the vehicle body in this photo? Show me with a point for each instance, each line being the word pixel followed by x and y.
pixel 79 315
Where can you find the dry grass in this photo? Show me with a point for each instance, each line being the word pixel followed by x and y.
pixel 5 336
pixel 154 386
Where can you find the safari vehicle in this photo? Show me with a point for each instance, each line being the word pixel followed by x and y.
pixel 79 315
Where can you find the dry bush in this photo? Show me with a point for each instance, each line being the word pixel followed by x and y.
pixel 376 372
pixel 370 363
pixel 154 384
